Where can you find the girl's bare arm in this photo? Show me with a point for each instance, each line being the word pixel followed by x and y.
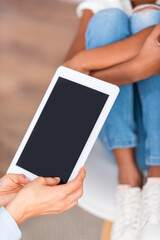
pixel 79 40
pixel 144 65
pixel 110 55
pixel 122 74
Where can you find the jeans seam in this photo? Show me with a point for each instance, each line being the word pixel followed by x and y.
pixel 122 140
pixel 153 161
pixel 131 145
pixel 122 143
pixel 152 157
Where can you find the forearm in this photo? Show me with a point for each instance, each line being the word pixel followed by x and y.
pixel 77 46
pixel 112 54
pixel 122 74
pixel 78 43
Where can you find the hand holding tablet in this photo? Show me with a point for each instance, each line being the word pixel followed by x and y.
pixel 65 126
pixel 43 196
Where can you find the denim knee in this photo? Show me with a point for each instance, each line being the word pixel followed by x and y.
pixel 107 26
pixel 141 20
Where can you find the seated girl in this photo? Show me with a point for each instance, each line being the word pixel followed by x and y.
pixel 117 35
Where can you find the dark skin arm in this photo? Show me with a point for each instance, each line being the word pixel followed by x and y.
pixel 87 61
pixel 96 59
pixel 144 65
pixel 125 73
pixel 78 43
pixel 109 55
pixel 136 3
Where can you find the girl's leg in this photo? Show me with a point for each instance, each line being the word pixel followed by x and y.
pixel 129 173
pixel 106 27
pixel 118 133
pixel 149 92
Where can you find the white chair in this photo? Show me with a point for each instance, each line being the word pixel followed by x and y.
pixel 100 187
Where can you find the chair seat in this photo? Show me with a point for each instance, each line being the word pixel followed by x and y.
pixel 100 184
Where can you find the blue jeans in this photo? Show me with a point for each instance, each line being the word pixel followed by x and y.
pixel 134 120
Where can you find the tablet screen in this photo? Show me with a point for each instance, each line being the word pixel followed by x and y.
pixel 62 130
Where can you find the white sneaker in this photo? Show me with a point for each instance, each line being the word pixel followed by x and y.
pixel 127 221
pixel 150 222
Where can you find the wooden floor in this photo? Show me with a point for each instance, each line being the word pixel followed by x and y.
pixel 34 38
pixel 35 35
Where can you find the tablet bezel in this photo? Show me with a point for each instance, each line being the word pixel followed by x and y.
pixel 85 80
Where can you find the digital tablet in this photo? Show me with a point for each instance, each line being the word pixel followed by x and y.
pixel 65 126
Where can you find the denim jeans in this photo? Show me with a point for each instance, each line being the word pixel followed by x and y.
pixel 134 120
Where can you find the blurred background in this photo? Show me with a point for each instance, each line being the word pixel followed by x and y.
pixel 34 38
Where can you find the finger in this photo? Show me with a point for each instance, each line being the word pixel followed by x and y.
pixel 80 177
pixel 73 204
pixel 18 178
pixel 76 183
pixel 75 196
pixel 52 181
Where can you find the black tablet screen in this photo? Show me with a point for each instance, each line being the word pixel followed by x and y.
pixel 62 130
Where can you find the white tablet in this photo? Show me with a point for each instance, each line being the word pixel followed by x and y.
pixel 65 126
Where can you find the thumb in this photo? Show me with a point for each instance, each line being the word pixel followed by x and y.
pixel 52 181
pixel 82 173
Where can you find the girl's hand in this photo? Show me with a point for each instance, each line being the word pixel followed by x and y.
pixel 76 63
pixel 149 56
pixel 10 185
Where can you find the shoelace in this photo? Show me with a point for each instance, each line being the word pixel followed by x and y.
pixel 129 212
pixel 151 201
pixel 132 211
pixel 118 225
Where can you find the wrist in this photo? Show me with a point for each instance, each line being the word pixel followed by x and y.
pixel 81 61
pixel 17 210
pixel 143 68
pixel 137 70
pixel 2 201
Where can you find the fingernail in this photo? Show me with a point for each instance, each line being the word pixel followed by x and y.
pixel 57 178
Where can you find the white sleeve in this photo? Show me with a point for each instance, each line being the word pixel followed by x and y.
pixel 92 5
pixel 97 5
pixel 9 229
